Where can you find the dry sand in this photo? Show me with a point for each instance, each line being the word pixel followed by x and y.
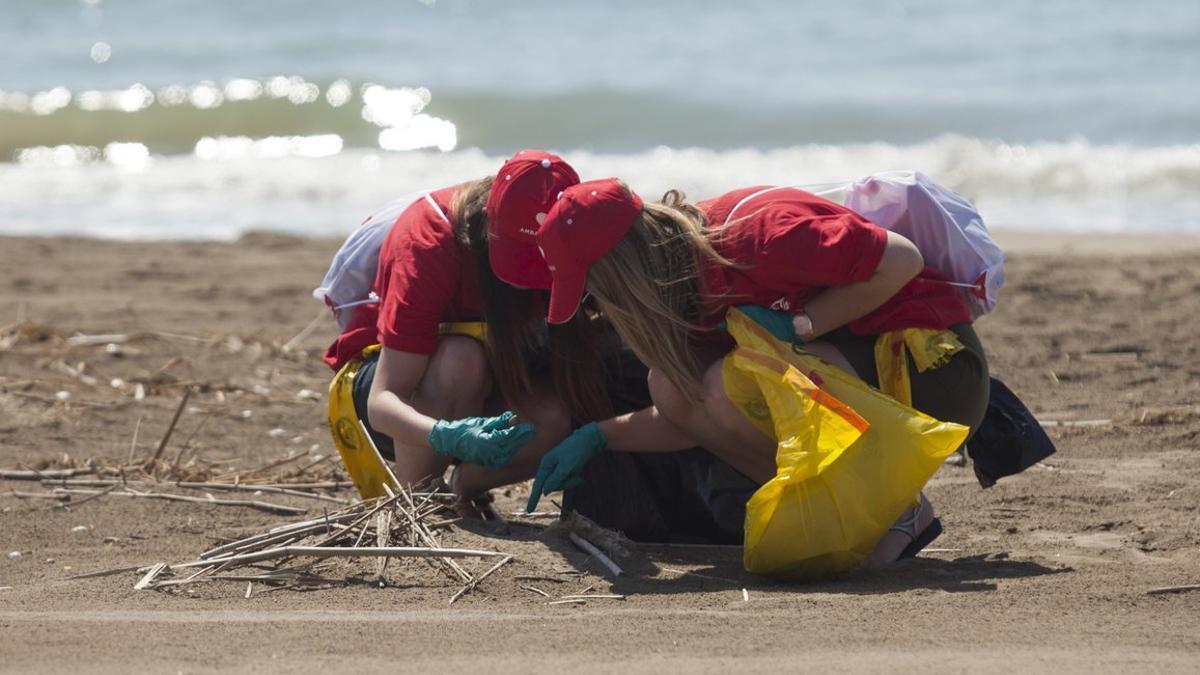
pixel 1048 570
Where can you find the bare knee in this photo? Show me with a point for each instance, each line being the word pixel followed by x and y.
pixel 458 376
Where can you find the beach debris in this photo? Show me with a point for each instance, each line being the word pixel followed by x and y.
pixel 27 474
pixel 594 596
pixel 291 555
pixel 591 550
pixel 162 445
pixel 1173 589
pixel 148 579
pixel 13 555
pixel 80 528
pixel 534 589
pixel 472 584
pixel 745 595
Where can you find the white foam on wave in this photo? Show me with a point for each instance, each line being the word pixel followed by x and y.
pixel 1054 186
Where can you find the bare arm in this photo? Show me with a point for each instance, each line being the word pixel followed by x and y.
pixel 645 430
pixel 389 404
pixel 836 307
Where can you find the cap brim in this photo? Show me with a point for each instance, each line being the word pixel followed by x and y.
pixel 565 295
pixel 518 263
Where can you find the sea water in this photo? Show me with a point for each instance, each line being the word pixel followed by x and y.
pixel 177 119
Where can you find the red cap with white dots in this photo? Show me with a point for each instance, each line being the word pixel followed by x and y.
pixel 584 224
pixel 522 194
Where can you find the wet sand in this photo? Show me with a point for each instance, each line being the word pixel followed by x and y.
pixel 1048 570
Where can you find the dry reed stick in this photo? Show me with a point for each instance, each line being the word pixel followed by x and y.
pixel 40 495
pixel 259 488
pixel 1173 589
pixel 589 548
pixel 95 496
pixel 133 443
pixel 149 578
pixel 474 583
pixel 107 573
pixel 162 445
pixel 537 590
pixel 425 535
pixel 29 474
pixel 339 552
pixel 254 504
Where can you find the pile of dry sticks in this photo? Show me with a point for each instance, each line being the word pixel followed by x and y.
pixel 403 525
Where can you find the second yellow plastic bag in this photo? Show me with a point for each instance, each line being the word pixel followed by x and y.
pixel 850 459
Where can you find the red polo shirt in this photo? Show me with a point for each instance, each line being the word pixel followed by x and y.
pixel 793 245
pixel 426 277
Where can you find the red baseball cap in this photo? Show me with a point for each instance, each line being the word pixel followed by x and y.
pixel 527 185
pixel 585 223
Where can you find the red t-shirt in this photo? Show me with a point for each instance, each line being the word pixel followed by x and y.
pixel 426 277
pixel 794 244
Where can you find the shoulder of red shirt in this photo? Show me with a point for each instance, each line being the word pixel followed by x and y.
pixel 418 230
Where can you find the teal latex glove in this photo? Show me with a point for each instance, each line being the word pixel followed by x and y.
pixel 487 441
pixel 777 323
pixel 561 467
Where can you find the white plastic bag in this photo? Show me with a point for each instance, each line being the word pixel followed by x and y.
pixel 352 272
pixel 946 229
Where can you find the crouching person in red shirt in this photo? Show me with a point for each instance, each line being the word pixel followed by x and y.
pixel 805 268
pixel 458 351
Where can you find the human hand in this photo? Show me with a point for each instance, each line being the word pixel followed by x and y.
pixel 487 441
pixel 561 467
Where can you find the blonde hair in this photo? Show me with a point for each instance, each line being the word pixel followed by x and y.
pixel 647 287
pixel 513 318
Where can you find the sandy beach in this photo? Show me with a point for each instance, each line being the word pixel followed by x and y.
pixel 1050 569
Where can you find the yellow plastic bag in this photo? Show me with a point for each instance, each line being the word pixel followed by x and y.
pixel 849 462
pixel 366 467
pixel 364 464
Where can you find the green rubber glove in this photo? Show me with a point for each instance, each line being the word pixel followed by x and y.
pixel 777 323
pixel 487 441
pixel 561 467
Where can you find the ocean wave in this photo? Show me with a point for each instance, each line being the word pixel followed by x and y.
pixel 174 119
pixel 305 186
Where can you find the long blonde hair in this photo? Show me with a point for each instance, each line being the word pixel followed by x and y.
pixel 647 286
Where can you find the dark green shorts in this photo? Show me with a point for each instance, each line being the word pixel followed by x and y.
pixel 956 392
